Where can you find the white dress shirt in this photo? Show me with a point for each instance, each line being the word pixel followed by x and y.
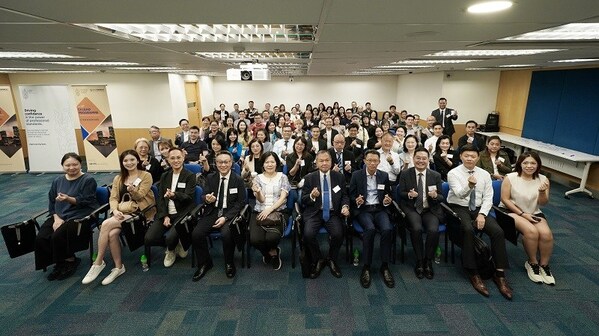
pixel 392 170
pixel 459 192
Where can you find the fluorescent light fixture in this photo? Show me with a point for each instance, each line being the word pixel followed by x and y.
pixel 571 31
pixel 517 65
pixel 240 56
pixel 147 68
pixel 402 66
pixel 33 54
pixel 20 69
pixel 488 53
pixel 231 33
pixel 95 63
pixel 446 61
pixel 478 69
pixel 489 7
pixel 71 72
pixel 576 60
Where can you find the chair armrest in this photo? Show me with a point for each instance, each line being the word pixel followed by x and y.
pixel 449 210
pixel 496 209
pixel 398 209
pixel 94 214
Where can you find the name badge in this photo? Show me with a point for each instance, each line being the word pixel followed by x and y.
pixel 380 187
pixel 432 188
pixel 347 162
pixel 450 156
pixel 148 167
pixel 181 185
pixel 302 163
pixel 501 159
pixel 358 146
pixel 233 190
pixel 336 189
pixel 136 182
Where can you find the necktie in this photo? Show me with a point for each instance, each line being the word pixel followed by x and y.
pixel 326 206
pixel 221 196
pixel 340 161
pixel 420 197
pixel 443 116
pixel 472 202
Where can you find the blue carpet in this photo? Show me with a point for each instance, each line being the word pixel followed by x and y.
pixel 260 301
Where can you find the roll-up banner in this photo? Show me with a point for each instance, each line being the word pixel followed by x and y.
pixel 11 149
pixel 50 125
pixel 96 126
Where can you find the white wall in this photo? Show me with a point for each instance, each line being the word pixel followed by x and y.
pixel 136 100
pixel 472 93
pixel 207 96
pixel 379 90
pixel 419 93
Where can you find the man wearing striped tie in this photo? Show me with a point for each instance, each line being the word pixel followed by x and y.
pixel 471 197
pixel 325 201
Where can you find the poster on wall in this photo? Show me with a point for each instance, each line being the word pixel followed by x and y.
pixel 11 149
pixel 50 125
pixel 96 127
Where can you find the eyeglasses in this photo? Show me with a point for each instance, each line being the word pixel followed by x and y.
pixel 223 162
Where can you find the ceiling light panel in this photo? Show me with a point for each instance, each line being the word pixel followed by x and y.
pixel 576 60
pixel 446 61
pixel 95 63
pixel 489 7
pixel 517 65
pixel 34 54
pixel 489 53
pixel 248 56
pixel 232 33
pixel 568 32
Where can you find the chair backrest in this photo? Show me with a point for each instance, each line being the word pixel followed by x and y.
pixel 198 195
pixel 102 194
pixel 154 189
pixel 445 189
pixel 236 168
pixel 193 167
pixel 496 192
pixel 285 169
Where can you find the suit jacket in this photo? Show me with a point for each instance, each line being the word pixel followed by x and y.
pixel 323 132
pixel 348 155
pixel 479 142
pixel 322 144
pixel 312 208
pixel 485 163
pixel 358 151
pixel 408 181
pixel 449 129
pixel 236 195
pixel 358 186
pixel 179 139
pixel 184 193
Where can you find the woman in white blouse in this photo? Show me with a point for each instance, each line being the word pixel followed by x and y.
pixel 521 193
pixel 271 189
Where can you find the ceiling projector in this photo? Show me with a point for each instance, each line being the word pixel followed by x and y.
pixel 249 72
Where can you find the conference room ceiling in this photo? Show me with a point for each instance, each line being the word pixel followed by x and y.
pixel 350 36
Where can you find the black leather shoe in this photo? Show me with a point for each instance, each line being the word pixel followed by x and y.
pixel 428 269
pixel 201 272
pixel 230 270
pixel 365 277
pixel 419 269
pixel 387 277
pixel 55 272
pixel 335 271
pixel 318 268
pixel 69 269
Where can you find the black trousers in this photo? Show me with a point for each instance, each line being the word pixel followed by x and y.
pixel 417 223
pixel 199 239
pixel 334 227
pixel 492 229
pixel 155 236
pixel 51 246
pixel 263 240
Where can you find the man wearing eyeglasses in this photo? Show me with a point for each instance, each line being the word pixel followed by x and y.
pixel 224 198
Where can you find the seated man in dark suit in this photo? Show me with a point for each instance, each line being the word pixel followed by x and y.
pixel 471 138
pixel 344 160
pixel 224 198
pixel 325 199
pixel 371 190
pixel 328 133
pixel 471 197
pixel 353 143
pixel 420 199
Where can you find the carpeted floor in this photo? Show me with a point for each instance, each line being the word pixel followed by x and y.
pixel 260 301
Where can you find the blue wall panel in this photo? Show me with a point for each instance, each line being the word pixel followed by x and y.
pixel 543 105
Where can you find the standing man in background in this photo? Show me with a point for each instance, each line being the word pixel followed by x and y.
pixel 184 135
pixel 156 138
pixel 445 116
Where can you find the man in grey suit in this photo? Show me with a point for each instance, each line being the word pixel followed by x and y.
pixel 445 116
pixel 155 139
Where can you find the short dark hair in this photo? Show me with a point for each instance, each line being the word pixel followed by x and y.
pixel 437 124
pixel 392 106
pixel 352 125
pixel 182 120
pixel 472 122
pixel 324 151
pixel 468 148
pixel 224 152
pixel 422 149
pixel 494 137
pixel 372 151
pixel 70 155
pixel 442 98
pixel 523 157
pixel 194 127
pixel 269 154
pixel 409 115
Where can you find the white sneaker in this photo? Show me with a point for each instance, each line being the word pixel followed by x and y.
pixel 93 273
pixel 169 258
pixel 114 273
pixel 547 275
pixel 180 251
pixel 534 272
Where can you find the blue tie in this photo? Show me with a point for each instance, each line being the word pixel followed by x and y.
pixel 326 206
pixel 472 202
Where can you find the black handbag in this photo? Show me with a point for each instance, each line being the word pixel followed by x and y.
pixel 134 230
pixel 20 237
pixel 78 234
pixel 484 259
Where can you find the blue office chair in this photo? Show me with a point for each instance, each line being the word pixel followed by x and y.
pixel 236 168
pixel 194 167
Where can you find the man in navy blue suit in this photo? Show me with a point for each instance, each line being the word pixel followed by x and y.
pixel 445 116
pixel 324 196
pixel 371 190
pixel 420 199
